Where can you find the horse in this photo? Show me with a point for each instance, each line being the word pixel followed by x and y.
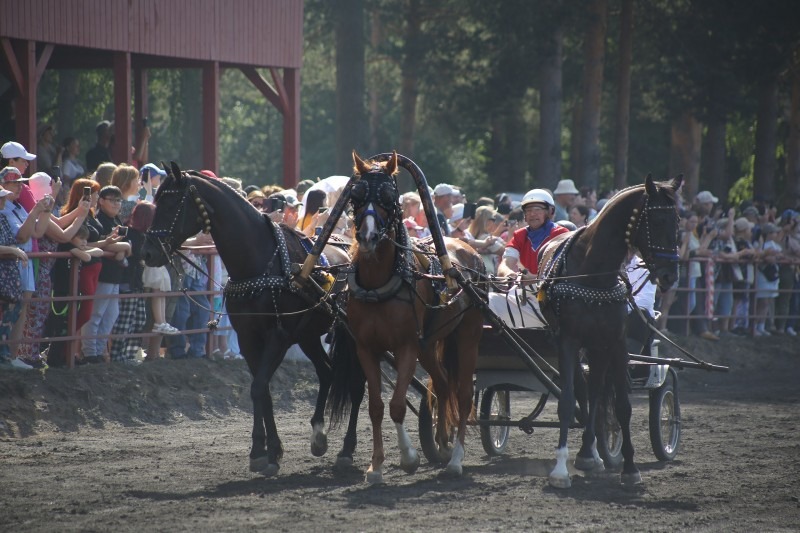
pixel 394 306
pixel 584 301
pixel 268 312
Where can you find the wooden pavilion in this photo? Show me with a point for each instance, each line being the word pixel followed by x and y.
pixel 132 36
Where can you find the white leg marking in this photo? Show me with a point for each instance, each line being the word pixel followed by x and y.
pixel 559 477
pixel 409 458
pixel 454 467
pixel 319 440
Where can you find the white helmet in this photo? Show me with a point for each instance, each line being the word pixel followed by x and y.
pixel 537 195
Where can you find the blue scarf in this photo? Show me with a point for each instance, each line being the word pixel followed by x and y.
pixel 537 236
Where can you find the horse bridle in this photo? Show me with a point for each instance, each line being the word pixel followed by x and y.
pixel 376 188
pixel 640 219
pixel 165 237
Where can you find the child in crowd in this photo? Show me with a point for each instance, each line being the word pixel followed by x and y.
pixel 766 277
pixel 724 251
pixel 155 280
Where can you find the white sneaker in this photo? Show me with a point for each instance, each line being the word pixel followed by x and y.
pixel 165 329
pixel 17 363
pixel 791 332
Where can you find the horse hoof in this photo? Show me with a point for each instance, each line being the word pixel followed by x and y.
pixel 453 470
pixel 410 464
pixel 343 463
pixel 560 482
pixel 374 477
pixel 319 446
pixel 261 465
pixel 589 464
pixel 633 478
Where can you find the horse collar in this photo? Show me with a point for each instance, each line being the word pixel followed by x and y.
pixel 202 208
pixel 252 287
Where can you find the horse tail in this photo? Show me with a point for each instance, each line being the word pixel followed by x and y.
pixel 347 374
pixel 450 366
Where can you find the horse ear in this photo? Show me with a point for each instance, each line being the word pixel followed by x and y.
pixel 176 170
pixel 650 185
pixel 166 168
pixel 391 165
pixel 676 182
pixel 359 166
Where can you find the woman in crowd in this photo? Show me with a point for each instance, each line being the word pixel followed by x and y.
pixel 579 215
pixel 103 174
pixel 126 179
pixel 484 229
pixel 73 169
pixel 12 258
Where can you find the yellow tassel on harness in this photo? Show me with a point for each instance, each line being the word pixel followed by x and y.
pixel 327 281
pixel 541 296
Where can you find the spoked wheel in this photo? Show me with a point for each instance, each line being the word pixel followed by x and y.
pixel 665 419
pixel 495 406
pixel 427 433
pixel 608 431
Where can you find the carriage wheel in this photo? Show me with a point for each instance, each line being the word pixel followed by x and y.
pixel 495 405
pixel 427 433
pixel 609 432
pixel 665 419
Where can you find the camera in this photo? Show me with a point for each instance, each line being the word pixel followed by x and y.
pixel 318 231
pixel 469 210
pixel 145 175
pixel 273 204
pixel 55 173
pixel 87 192
pixel 122 231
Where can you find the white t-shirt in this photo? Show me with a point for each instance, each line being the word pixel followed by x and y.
pixel 644 290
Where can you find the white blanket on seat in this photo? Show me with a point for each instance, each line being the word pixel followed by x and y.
pixel 515 311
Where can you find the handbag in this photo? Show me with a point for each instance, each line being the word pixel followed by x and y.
pixel 770 271
pixel 10 279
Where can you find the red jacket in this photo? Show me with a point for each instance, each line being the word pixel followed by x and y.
pixel 527 255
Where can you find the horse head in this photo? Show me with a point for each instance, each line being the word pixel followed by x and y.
pixel 180 214
pixel 375 200
pixel 653 230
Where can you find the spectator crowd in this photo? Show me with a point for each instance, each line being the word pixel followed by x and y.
pixel 738 271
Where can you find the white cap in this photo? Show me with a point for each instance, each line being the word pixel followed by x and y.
pixel 4 192
pixel 537 196
pixel 443 189
pixel 40 185
pixel 566 187
pixel 458 213
pixel 705 197
pixel 12 150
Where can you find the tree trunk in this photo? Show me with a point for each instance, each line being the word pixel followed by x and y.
pixel 575 142
pixel 375 39
pixel 684 152
pixel 191 118
pixel 409 86
pixel 548 168
pixel 351 120
pixel 65 114
pixel 793 145
pixel 623 95
pixel 594 58
pixel 766 140
pixel 517 147
pixel 498 170
pixel 714 154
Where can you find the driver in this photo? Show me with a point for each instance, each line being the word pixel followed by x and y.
pixel 519 307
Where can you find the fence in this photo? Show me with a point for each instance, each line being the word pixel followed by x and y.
pixel 705 296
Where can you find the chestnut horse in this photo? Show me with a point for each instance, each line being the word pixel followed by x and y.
pixel 584 302
pixel 392 306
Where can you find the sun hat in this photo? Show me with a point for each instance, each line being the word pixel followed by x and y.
pixel 742 224
pixel 13 150
pixel 11 175
pixel 566 187
pixel 535 196
pixel 458 213
pixel 443 189
pixel 768 228
pixel 705 197
pixel 751 210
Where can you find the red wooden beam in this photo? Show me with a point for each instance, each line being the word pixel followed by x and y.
pixel 211 116
pixel 26 103
pixel 122 108
pixel 266 89
pixel 291 129
pixel 276 78
pixel 13 64
pixel 41 65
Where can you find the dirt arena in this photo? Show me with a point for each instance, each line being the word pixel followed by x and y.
pixel 164 446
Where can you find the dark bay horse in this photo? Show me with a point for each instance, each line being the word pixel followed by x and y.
pixel 393 307
pixel 268 313
pixel 584 302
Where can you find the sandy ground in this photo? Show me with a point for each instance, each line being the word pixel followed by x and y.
pixel 164 446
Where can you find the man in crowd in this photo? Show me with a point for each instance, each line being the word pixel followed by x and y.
pixel 100 153
pixel 565 196
pixel 443 202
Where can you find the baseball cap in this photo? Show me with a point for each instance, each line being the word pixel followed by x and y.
pixel 704 197
pixel 11 175
pixel 458 213
pixel 443 189
pixel 14 150
pixel 742 224
pixel 153 170
pixel 751 210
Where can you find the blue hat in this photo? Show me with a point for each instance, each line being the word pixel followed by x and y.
pixel 153 170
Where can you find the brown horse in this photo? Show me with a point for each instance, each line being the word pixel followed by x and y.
pixel 393 306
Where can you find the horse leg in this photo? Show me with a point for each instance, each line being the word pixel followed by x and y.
pixel 568 348
pixel 266 462
pixel 587 458
pixel 467 358
pixel 406 363
pixel 345 457
pixel 439 381
pixel 372 371
pixel 630 473
pixel 313 349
